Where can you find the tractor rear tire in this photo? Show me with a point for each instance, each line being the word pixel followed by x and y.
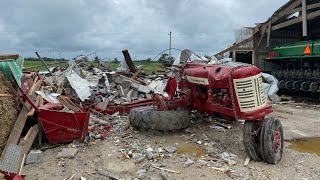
pixel 149 118
pixel 272 140
pixel 251 140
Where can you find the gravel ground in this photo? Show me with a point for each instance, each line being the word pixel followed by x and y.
pixel 198 154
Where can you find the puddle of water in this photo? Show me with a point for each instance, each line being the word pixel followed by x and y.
pixel 184 147
pixel 187 148
pixel 309 145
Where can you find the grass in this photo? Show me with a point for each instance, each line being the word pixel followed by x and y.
pixel 148 67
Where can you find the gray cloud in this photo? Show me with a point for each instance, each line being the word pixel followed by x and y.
pixel 142 26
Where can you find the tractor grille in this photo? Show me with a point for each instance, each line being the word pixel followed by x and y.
pixel 250 93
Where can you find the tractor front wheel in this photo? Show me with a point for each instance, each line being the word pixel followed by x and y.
pixel 272 140
pixel 251 139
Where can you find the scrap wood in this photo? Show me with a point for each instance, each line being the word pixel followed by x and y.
pixel 19 124
pixel 34 85
pixel 9 56
pixel 247 161
pixel 27 142
pixel 108 174
pixel 5 95
pixel 68 103
pixel 224 126
pixel 71 177
pixel 136 74
pixel 37 103
pixel 130 79
pixel 223 170
pixel 16 131
pixel 129 61
pixel 168 170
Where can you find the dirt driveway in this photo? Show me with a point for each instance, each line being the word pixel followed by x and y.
pixel 197 154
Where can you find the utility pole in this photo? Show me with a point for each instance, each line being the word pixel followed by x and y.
pixel 170 60
pixel 59 52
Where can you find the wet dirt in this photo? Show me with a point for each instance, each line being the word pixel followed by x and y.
pixel 184 147
pixel 309 145
pixel 190 149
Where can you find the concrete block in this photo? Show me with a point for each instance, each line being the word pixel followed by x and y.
pixel 135 85
pixel 161 85
pixel 118 80
pixel 134 95
pixel 34 156
pixel 120 90
pixel 67 153
pixel 113 85
pixel 126 84
pixel 144 89
pixel 129 94
pixel 148 96
pixel 153 84
pixel 141 96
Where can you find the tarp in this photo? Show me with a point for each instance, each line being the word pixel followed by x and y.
pixel 6 66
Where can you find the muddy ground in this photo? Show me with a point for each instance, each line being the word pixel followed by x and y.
pixel 194 143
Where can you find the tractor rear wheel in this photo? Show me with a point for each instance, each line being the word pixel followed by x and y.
pixel 149 118
pixel 272 140
pixel 251 139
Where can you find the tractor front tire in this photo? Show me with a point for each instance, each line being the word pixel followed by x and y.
pixel 251 140
pixel 146 118
pixel 272 140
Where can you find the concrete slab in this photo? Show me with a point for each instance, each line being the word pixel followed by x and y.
pixel 298 121
pixel 67 153
pixel 34 156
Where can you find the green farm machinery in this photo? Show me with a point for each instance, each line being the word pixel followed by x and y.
pixel 296 66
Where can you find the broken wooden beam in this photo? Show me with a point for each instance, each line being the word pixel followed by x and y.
pixel 9 56
pixel 129 61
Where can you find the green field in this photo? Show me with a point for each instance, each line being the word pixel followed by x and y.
pixel 148 67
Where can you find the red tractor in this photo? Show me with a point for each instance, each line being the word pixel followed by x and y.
pixel 234 93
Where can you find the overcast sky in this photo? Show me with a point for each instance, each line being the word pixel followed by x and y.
pixel 108 26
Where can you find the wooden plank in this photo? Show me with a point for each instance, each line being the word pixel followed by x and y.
pixel 235 46
pixel 5 95
pixel 16 131
pixel 19 124
pixel 311 6
pixel 68 103
pixel 269 33
pixel 135 75
pixel 9 56
pixel 296 20
pixel 262 35
pixel 276 17
pixel 27 142
pixel 35 84
pixel 129 61
pixel 31 112
pixel 304 19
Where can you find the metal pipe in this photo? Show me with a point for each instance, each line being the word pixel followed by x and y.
pixel 44 63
